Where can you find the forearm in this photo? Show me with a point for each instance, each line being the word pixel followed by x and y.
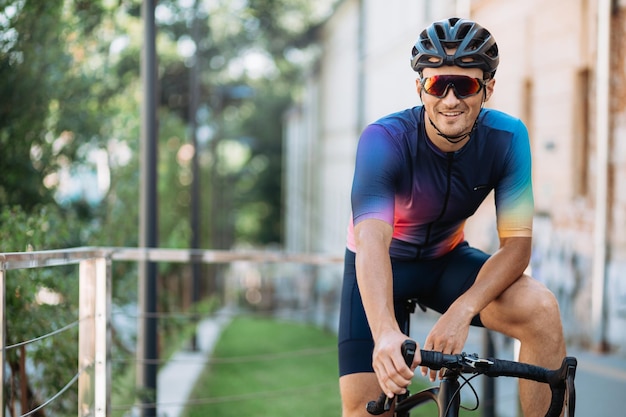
pixel 375 285
pixel 501 270
pixel 374 276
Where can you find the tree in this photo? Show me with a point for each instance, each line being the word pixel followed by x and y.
pixel 240 48
pixel 69 82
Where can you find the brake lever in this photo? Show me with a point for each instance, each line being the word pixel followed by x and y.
pixel 570 374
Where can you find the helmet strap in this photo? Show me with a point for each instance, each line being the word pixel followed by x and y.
pixel 453 139
pixel 457 138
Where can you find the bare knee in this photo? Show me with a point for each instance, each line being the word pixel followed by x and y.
pixel 542 305
pixel 526 308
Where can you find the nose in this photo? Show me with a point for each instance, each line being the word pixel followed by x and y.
pixel 450 96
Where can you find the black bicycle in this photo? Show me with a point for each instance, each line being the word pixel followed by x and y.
pixel 447 394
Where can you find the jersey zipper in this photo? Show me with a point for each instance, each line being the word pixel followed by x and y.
pixel 450 156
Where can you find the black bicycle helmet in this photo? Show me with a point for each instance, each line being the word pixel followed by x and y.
pixel 474 47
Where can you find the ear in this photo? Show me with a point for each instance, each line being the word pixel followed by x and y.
pixel 489 87
pixel 418 87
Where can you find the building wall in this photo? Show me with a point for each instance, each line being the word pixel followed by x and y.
pixel 338 125
pixel 549 59
pixel 546 77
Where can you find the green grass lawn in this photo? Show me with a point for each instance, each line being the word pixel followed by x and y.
pixel 263 368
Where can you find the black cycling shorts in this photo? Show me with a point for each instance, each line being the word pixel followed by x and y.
pixel 435 283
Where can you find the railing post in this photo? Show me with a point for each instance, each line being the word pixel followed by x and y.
pixel 2 335
pixel 86 336
pixel 103 338
pixel 94 397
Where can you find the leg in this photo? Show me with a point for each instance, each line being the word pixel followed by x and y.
pixel 447 277
pixel 529 312
pixel 358 383
pixel 356 391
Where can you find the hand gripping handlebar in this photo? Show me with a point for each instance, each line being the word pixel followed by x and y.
pixel 561 380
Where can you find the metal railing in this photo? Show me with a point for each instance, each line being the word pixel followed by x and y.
pixel 95 292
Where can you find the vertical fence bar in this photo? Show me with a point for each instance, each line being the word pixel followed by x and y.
pixel 102 383
pixel 2 336
pixel 94 336
pixel 86 337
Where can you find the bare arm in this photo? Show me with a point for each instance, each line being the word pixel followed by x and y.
pixel 500 271
pixel 374 276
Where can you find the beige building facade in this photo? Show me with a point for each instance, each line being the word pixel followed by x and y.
pixel 550 76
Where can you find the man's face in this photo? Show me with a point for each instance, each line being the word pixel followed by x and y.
pixel 452 115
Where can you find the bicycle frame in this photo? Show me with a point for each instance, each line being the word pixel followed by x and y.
pixel 445 396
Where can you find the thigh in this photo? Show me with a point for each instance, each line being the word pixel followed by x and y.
pixel 457 273
pixel 356 344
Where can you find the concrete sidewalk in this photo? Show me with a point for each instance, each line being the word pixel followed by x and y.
pixel 177 378
pixel 600 384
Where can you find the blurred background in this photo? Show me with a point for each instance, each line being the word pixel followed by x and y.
pixel 258 106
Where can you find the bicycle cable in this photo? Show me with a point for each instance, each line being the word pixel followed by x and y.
pixel 466 381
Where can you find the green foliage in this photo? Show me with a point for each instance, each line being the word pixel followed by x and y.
pixel 50 104
pixel 31 315
pixel 70 107
pixel 69 74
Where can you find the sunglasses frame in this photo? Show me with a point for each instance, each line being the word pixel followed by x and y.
pixel 481 87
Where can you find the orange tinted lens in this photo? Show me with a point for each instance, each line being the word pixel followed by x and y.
pixel 463 86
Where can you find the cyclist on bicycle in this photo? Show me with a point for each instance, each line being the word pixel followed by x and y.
pixel 420 173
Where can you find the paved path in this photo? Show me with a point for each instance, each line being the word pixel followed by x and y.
pixel 600 385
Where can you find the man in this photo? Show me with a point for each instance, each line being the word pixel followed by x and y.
pixel 419 174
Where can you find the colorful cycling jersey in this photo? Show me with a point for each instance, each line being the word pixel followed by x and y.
pixel 426 194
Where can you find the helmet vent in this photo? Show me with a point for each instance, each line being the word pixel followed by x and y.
pixel 492 52
pixel 463 31
pixel 440 32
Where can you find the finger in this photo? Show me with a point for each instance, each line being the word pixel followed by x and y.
pixel 391 382
pixel 430 344
pixel 433 376
pixel 417 359
pixel 401 367
pixel 401 375
pixel 391 387
pixel 383 377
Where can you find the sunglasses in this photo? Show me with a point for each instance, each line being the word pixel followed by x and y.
pixel 462 85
